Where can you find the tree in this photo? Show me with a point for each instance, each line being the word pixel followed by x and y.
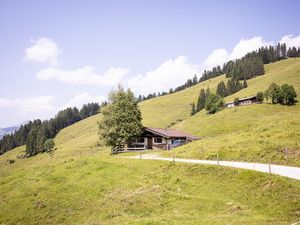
pixel 289 94
pixel 193 112
pixel 201 100
pixel 195 80
pixel 260 97
pixel 121 118
pixel 236 101
pixel 275 93
pixel 214 103
pixel 49 145
pixel 266 95
pixel 221 89
pixel 245 85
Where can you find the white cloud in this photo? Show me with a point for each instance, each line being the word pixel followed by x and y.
pixel 170 74
pixel 291 41
pixel 83 98
pixel 16 110
pixel 247 45
pixel 43 50
pixel 84 75
pixel 32 104
pixel 219 56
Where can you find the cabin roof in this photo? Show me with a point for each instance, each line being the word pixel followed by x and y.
pixel 243 99
pixel 169 133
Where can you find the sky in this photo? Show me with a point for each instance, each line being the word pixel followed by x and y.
pixel 61 53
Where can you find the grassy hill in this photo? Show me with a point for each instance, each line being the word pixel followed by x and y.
pixel 82 184
pixel 259 133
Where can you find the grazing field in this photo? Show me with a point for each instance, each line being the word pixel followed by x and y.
pixel 109 190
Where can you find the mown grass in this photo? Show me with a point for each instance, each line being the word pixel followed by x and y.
pixel 108 190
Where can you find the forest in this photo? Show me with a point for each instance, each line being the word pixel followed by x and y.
pixel 34 134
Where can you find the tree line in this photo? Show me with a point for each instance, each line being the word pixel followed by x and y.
pixel 35 134
pixel 249 66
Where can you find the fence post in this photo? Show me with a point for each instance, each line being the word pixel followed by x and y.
pixel 286 154
pixel 218 158
pixel 269 167
pixel 140 155
pixel 173 158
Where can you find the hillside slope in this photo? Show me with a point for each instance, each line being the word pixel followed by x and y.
pixel 177 106
pixel 260 133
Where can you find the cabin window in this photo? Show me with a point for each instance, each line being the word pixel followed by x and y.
pixel 140 140
pixel 158 140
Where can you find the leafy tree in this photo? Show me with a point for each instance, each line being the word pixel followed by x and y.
pixel 260 97
pixel 193 112
pixel 289 94
pixel 121 118
pixel 49 145
pixel 267 95
pixel 214 103
pixel 275 93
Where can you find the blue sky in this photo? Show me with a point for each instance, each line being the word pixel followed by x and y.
pixel 56 54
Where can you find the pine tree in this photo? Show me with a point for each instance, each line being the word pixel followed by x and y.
pixel 245 85
pixel 193 112
pixel 221 89
pixel 201 100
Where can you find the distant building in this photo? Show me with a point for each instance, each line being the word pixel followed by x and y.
pixel 243 101
pixel 160 138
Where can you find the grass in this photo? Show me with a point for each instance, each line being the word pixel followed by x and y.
pixel 108 190
pixel 257 133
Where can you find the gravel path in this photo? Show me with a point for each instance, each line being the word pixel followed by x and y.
pixel 286 171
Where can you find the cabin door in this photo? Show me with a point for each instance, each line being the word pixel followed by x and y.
pixel 149 143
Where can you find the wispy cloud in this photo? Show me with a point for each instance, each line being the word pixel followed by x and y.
pixel 43 50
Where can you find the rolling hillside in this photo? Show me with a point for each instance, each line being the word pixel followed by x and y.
pixel 82 184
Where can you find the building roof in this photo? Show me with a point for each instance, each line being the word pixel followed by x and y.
pixel 169 133
pixel 243 99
